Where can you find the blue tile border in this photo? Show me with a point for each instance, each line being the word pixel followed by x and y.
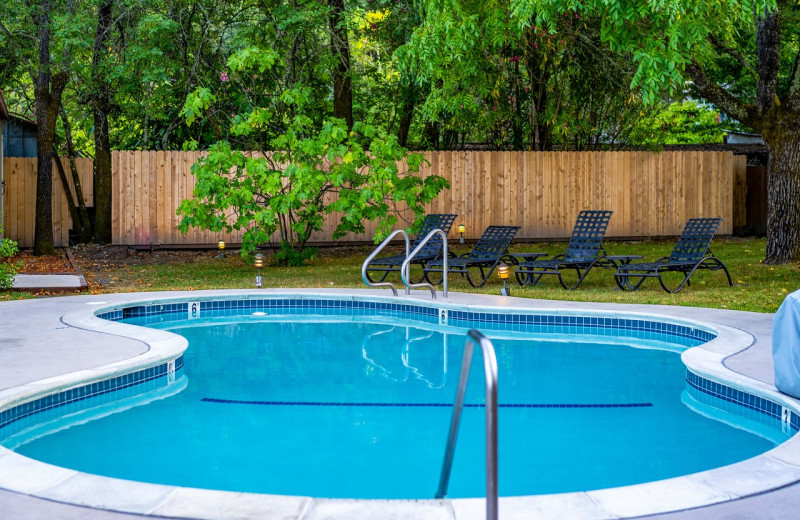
pixel 680 334
pixel 80 393
pixel 763 406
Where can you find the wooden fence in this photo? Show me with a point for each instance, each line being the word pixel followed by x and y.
pixel 651 194
pixel 20 198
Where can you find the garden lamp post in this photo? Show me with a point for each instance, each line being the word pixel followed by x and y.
pixel 502 273
pixel 221 247
pixel 461 229
pixel 259 263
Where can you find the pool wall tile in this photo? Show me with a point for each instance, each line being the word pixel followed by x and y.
pixel 762 406
pixel 83 392
pixel 683 335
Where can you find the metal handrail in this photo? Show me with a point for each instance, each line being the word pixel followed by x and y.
pixel 405 269
pixel 371 257
pixel 490 371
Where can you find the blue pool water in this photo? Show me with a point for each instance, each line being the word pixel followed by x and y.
pixel 360 409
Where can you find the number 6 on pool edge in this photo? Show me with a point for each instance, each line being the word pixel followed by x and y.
pixel 193 310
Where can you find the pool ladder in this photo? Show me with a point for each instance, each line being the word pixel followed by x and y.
pixel 405 268
pixel 474 337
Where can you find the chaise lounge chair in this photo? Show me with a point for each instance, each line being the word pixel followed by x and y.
pixel 491 248
pixel 691 252
pixel 431 251
pixel 583 252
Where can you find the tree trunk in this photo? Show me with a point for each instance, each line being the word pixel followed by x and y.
pixel 538 77
pixel 430 136
pixel 340 46
pixel 783 189
pixel 101 108
pixel 406 115
pixel 47 91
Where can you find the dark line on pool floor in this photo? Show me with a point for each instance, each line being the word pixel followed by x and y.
pixel 427 405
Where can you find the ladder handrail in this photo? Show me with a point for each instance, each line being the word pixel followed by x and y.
pixel 405 269
pixel 372 256
pixel 490 371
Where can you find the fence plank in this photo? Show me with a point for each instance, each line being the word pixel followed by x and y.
pixel 739 201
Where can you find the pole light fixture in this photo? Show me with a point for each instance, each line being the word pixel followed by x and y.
pixel 502 273
pixel 259 263
pixel 461 229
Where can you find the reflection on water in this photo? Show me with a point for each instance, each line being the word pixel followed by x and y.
pixel 389 350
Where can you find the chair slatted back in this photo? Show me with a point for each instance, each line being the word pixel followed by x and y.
pixel 695 240
pixel 586 240
pixel 432 249
pixel 494 243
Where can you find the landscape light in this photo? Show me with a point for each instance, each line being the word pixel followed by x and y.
pixel 259 263
pixel 461 229
pixel 502 273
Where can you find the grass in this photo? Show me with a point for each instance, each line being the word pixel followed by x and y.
pixel 757 287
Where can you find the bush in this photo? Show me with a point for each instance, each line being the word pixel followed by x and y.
pixel 8 248
pixel 286 256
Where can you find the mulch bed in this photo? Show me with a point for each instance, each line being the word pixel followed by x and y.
pixel 44 264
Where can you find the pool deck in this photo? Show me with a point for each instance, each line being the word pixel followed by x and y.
pixel 35 344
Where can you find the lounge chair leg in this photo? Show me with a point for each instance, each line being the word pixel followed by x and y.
pixel 685 281
pixel 580 279
pixel 371 280
pixel 429 278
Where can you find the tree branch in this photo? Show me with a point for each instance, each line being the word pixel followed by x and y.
pixel 13 44
pixel 720 97
pixel 733 53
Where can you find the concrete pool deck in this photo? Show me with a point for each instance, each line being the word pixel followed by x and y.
pixel 36 344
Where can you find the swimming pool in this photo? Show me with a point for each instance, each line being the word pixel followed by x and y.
pixel 488 319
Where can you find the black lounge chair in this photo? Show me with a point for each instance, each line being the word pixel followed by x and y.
pixel 691 252
pixel 584 251
pixel 491 248
pixel 431 251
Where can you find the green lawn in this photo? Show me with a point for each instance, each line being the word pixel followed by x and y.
pixel 757 287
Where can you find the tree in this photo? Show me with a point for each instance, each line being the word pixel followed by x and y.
pixel 47 88
pixel 679 123
pixel 741 56
pixel 299 176
pixel 100 100
pixel 340 47
pixel 520 86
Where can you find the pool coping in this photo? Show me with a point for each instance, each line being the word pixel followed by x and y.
pixel 776 468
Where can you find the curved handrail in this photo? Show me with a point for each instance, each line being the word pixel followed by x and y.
pixel 405 269
pixel 490 371
pixel 372 256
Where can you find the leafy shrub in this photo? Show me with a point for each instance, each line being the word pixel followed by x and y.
pixel 309 170
pixel 288 257
pixel 8 248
